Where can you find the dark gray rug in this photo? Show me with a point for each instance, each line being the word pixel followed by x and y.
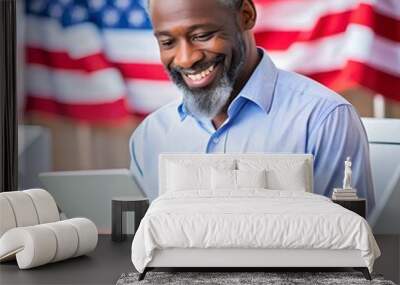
pixel 269 278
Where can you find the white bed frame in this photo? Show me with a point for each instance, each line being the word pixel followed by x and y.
pixel 250 258
pixel 234 257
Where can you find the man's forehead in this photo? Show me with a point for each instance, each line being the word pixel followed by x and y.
pixel 186 8
pixel 180 3
pixel 168 13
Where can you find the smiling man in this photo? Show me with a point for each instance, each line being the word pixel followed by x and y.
pixel 209 65
pixel 235 100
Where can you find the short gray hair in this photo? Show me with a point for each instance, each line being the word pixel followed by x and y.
pixel 232 4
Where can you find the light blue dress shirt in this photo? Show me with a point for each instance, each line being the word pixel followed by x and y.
pixel 276 111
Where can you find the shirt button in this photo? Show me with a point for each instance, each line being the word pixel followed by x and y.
pixel 215 140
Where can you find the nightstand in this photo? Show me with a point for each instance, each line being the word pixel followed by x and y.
pixel 358 206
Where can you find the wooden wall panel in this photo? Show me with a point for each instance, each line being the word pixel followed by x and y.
pixel 392 109
pixel 362 100
pixel 80 146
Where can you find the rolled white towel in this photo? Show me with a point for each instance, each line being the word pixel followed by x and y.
pixel 40 244
pixel 7 218
pixel 33 246
pixel 24 210
pixel 87 234
pixel 45 205
pixel 67 240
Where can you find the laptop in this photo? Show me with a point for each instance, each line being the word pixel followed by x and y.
pixel 89 193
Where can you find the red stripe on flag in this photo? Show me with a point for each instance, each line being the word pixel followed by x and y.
pixel 62 60
pixel 382 25
pixel 142 71
pixel 358 73
pixel 116 110
pixel 329 25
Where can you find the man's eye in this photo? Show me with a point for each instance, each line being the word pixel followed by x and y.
pixel 166 43
pixel 203 37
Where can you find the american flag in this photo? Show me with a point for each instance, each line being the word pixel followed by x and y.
pixel 97 60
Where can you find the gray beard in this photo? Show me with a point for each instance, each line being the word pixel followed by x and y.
pixel 209 102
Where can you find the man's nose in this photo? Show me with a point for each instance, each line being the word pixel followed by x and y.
pixel 187 55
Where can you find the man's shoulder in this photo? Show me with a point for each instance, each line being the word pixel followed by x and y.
pixel 301 98
pixel 296 87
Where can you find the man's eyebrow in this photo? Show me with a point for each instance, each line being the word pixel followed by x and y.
pixel 161 33
pixel 190 29
pixel 202 26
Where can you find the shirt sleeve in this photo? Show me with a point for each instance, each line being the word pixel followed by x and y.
pixel 339 135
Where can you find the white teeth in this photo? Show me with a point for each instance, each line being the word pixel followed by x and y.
pixel 202 74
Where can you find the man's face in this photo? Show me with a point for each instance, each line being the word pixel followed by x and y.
pixel 202 49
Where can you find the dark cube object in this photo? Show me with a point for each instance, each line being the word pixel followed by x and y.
pixel 125 204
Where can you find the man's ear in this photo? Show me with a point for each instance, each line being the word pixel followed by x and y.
pixel 248 15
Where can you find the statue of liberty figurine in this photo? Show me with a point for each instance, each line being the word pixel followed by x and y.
pixel 347 174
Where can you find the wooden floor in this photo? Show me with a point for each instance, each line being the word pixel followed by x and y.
pixel 111 259
pixel 103 266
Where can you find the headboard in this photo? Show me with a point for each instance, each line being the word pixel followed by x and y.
pixel 211 159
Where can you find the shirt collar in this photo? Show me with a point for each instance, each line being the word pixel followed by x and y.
pixel 261 84
pixel 182 111
pixel 258 89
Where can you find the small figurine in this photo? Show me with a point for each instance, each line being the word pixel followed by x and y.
pixel 347 174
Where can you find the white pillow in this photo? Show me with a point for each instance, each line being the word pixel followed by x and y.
pixel 282 174
pixel 290 179
pixel 227 179
pixel 223 179
pixel 184 177
pixel 251 178
pixel 193 174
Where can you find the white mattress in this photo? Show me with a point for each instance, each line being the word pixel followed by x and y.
pixel 252 218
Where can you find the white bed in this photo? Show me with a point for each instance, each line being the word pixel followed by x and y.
pixel 202 220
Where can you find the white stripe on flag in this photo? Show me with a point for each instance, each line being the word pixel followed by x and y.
pixel 131 46
pixel 389 8
pixel 78 41
pixel 303 14
pixel 299 15
pixel 145 96
pixel 332 52
pixel 74 87
pixel 83 40
pixel 44 33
